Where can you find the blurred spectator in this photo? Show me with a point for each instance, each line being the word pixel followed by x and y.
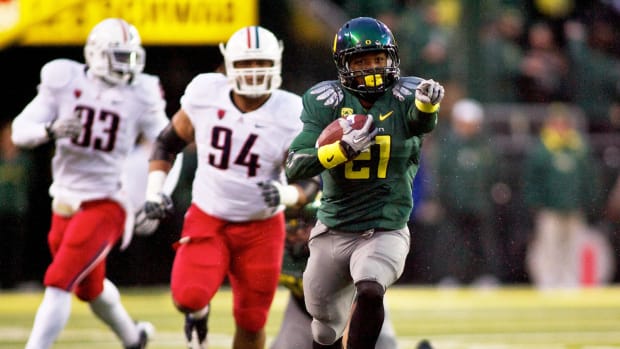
pixel 501 57
pixel 15 167
pixel 466 168
pixel 383 10
pixel 561 189
pixel 423 226
pixel 595 71
pixel 544 69
pixel 613 216
pixel 613 203
pixel 424 42
pixel 614 110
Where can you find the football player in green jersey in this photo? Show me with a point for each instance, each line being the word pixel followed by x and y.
pixel 360 243
pixel 295 331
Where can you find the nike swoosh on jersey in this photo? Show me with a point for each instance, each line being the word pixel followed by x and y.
pixel 385 116
pixel 329 159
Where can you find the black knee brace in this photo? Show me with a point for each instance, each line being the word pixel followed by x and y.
pixel 368 315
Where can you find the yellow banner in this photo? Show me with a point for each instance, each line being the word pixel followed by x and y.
pixel 160 22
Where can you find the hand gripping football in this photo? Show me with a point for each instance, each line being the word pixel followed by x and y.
pixel 334 131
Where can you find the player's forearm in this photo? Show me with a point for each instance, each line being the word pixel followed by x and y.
pixel 29 127
pixel 303 164
pixel 422 122
pixel 307 190
pixel 160 165
pixel 28 134
pixel 165 150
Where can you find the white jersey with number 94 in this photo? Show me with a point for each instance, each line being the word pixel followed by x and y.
pixel 237 150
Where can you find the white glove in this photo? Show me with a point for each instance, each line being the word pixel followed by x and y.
pixel 158 204
pixel 356 141
pixel 429 92
pixel 274 193
pixel 63 128
pixel 143 225
pixel 159 207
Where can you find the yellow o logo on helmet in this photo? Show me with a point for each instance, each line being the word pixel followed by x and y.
pixel 335 42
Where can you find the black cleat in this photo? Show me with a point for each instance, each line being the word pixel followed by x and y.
pixel 196 332
pixel 146 332
pixel 424 344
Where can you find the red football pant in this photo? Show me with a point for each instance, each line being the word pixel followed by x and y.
pixel 80 244
pixel 249 253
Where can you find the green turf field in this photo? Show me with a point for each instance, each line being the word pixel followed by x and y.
pixel 505 318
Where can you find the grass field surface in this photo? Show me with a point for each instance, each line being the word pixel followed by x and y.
pixel 459 318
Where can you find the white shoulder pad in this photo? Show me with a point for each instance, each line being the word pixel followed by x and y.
pixel 202 89
pixel 328 92
pixel 148 89
pixel 59 72
pixel 405 86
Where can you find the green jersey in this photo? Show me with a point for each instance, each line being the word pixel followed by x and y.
pixel 374 189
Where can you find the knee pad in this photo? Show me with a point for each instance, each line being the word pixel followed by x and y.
pixel 369 292
pixel 92 285
pixel 189 299
pixel 251 320
pixel 89 291
pixel 323 334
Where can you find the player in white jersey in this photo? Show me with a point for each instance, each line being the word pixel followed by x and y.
pixel 135 170
pixel 94 113
pixel 242 125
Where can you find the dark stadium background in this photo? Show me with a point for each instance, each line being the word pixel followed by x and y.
pixel 148 260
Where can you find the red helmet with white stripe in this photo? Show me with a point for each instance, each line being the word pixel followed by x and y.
pixel 114 52
pixel 253 43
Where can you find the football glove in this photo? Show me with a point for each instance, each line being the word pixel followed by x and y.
pixel 429 92
pixel 159 209
pixel 356 141
pixel 275 194
pixel 143 225
pixel 63 128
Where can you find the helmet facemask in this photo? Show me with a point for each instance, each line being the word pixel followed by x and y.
pixel 364 35
pixel 253 44
pixel 255 81
pixel 369 83
pixel 113 51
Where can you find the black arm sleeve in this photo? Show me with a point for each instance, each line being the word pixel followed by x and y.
pixel 167 145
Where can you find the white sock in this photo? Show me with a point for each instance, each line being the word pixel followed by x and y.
pixel 200 313
pixel 51 318
pixel 109 309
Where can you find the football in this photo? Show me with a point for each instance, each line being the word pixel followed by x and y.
pixel 333 132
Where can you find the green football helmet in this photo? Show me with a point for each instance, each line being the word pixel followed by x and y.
pixel 361 35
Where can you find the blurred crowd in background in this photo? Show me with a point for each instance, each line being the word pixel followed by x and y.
pixel 482 213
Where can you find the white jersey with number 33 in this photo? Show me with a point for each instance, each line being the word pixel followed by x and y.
pixel 89 167
pixel 236 150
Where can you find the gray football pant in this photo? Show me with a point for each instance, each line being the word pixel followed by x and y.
pixel 295 330
pixel 339 260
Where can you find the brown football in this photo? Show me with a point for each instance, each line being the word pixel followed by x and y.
pixel 333 132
